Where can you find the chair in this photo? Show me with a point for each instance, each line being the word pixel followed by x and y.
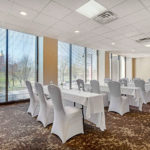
pixel 46 113
pixel 107 80
pixel 34 101
pixel 80 84
pixel 96 89
pixel 118 103
pixel 123 81
pixel 141 84
pixel 67 120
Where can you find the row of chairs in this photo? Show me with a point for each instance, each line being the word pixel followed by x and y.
pixel 67 121
pixel 118 103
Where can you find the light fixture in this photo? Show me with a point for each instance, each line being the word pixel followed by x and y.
pixel 147 45
pixel 23 13
pixel 91 9
pixel 77 31
pixel 113 43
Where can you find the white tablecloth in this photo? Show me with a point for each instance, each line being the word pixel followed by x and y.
pixel 134 94
pixel 93 102
pixel 147 86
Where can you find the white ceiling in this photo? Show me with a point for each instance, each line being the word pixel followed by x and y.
pixel 58 19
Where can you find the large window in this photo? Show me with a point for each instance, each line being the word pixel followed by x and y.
pixel 63 64
pixel 78 64
pixel 91 64
pixel 17 64
pixel 21 66
pixel 122 67
pixel 75 62
pixel 2 64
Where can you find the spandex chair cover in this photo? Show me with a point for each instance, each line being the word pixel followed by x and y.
pixel 67 120
pixel 145 95
pixel 46 113
pixel 118 103
pixel 123 81
pixel 34 101
pixel 95 87
pixel 80 84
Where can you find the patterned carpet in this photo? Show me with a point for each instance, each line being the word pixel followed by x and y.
pixel 19 131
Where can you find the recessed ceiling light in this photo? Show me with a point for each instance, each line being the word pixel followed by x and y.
pixel 77 31
pixel 147 45
pixel 113 43
pixel 91 9
pixel 23 13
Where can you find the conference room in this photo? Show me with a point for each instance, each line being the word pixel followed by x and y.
pixel 74 74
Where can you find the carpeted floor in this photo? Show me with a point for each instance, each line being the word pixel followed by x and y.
pixel 19 131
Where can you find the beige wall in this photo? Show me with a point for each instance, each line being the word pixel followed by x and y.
pixel 50 55
pixel 142 68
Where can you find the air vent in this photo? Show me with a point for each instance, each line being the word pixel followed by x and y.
pixel 106 17
pixel 143 40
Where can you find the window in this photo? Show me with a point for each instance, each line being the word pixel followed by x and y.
pixel 115 67
pixel 63 64
pixel 21 63
pixel 21 66
pixel 91 64
pixel 122 67
pixel 75 62
pixel 2 64
pixel 78 64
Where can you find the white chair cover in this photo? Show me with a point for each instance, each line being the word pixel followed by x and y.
pixel 67 120
pixel 46 113
pixel 107 80
pixel 80 84
pixel 118 103
pixel 145 95
pixel 123 81
pixel 95 87
pixel 34 101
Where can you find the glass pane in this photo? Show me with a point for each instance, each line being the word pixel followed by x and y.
pixel 21 64
pixel 2 64
pixel 91 64
pixel 78 64
pixel 63 64
pixel 115 67
pixel 122 67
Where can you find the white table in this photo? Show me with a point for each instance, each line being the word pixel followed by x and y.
pixel 134 94
pixel 93 103
pixel 147 86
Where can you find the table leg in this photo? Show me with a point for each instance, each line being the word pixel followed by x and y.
pixel 83 115
pixel 74 104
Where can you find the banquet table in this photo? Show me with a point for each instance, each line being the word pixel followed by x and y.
pixel 93 103
pixel 147 86
pixel 134 94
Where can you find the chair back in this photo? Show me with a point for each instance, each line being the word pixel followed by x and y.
pixel 114 89
pixel 55 94
pixel 123 81
pixel 80 84
pixel 40 92
pixel 95 86
pixel 140 83
pixel 107 80
pixel 30 90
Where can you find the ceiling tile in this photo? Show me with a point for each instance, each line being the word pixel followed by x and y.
pixel 127 7
pixel 33 4
pixel 75 19
pixel 72 4
pixel 45 20
pixel 110 3
pixel 55 10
